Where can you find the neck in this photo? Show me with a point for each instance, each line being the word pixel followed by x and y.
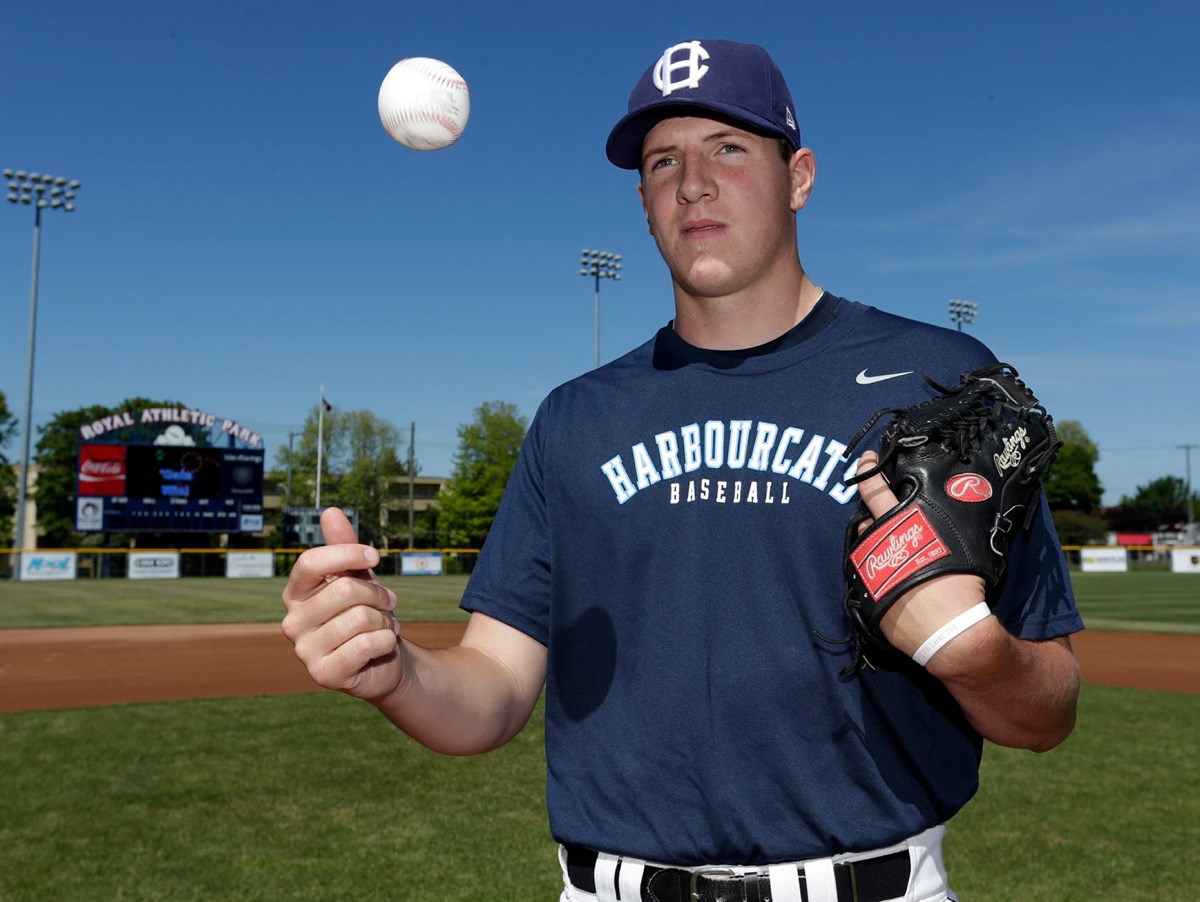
pixel 744 320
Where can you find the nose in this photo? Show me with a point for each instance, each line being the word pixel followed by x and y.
pixel 695 181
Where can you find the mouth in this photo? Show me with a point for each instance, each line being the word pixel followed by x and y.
pixel 703 229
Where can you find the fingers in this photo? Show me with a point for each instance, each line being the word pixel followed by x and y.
pixel 357 621
pixel 315 638
pixel 340 599
pixel 338 652
pixel 339 616
pixel 338 530
pixel 367 664
pixel 874 490
pixel 336 527
pixel 340 557
pixel 345 634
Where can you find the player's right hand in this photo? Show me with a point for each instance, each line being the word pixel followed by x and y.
pixel 339 617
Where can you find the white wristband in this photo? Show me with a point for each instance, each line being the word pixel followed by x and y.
pixel 963 621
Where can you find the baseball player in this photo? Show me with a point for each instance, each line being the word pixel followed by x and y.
pixel 668 561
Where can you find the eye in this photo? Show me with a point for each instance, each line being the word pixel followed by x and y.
pixel 661 162
pixel 731 148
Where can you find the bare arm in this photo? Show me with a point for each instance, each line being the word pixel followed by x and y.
pixel 461 700
pixel 470 698
pixel 1015 692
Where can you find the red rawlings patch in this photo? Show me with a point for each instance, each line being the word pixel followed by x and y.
pixel 969 487
pixel 907 546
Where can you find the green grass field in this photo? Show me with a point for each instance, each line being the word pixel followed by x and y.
pixel 1145 601
pixel 114 602
pixel 315 796
pixel 1140 601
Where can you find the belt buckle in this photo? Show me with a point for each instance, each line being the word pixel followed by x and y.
pixel 694 879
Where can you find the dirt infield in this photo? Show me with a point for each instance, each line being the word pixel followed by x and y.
pixel 74 668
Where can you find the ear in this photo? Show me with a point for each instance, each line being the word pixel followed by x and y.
pixel 802 169
pixel 645 212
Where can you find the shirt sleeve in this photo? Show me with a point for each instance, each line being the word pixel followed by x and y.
pixel 1036 600
pixel 511 580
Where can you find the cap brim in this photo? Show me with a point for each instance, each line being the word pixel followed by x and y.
pixel 624 146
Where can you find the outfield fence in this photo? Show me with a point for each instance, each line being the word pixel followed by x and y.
pixel 121 563
pixel 1175 558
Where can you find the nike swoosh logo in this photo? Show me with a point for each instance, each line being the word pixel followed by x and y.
pixel 863 379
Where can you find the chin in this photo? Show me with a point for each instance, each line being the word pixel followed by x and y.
pixel 708 278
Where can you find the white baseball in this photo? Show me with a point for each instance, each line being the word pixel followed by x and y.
pixel 424 103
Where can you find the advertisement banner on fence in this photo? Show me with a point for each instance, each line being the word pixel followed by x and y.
pixel 1185 560
pixel 154 565
pixel 1103 560
pixel 249 564
pixel 252 523
pixel 48 565
pixel 421 563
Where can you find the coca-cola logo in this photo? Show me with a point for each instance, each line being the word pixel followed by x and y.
pixel 101 469
pixel 969 487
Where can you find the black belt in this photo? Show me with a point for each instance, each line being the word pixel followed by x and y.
pixel 866 880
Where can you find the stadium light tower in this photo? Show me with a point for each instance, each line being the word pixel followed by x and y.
pixel 40 191
pixel 599 265
pixel 963 312
pixel 1187 452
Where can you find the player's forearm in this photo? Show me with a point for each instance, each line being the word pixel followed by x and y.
pixel 457 701
pixel 1014 692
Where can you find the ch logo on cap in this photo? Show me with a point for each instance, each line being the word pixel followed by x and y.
pixel 671 74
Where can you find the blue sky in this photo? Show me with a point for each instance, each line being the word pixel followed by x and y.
pixel 247 232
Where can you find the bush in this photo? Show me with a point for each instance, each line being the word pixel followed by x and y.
pixel 1078 528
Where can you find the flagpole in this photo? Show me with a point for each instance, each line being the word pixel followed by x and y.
pixel 320 441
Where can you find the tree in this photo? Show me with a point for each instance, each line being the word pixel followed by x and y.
pixel 360 464
pixel 1072 483
pixel 1078 528
pixel 57 459
pixel 370 472
pixel 8 478
pixel 487 453
pixel 1163 500
pixel 301 460
pixel 426 528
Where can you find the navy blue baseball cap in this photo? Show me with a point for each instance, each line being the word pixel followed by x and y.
pixel 736 81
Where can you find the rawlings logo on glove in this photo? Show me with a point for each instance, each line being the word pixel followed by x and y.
pixel 966 468
pixel 969 487
pixel 897 554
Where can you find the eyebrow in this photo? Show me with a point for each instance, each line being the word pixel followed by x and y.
pixel 720 134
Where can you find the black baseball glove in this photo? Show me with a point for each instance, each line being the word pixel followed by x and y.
pixel 966 467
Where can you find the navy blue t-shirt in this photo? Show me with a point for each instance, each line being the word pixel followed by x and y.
pixel 674 534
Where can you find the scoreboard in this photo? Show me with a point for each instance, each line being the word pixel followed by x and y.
pixel 168 488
